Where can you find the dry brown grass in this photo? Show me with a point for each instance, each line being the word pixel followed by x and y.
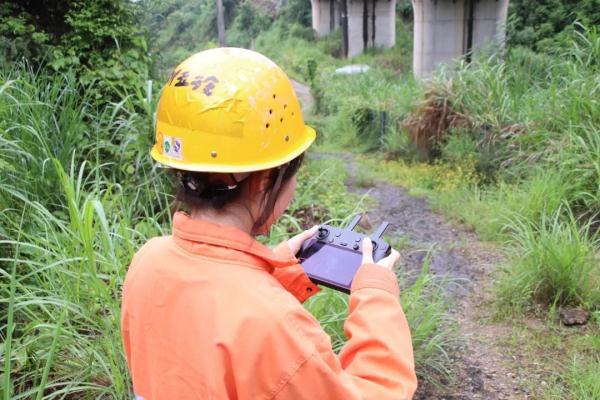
pixel 434 118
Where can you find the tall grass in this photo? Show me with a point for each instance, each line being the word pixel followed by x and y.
pixel 360 111
pixel 66 276
pixel 534 140
pixel 68 229
pixel 553 261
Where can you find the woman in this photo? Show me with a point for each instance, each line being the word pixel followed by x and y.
pixel 209 312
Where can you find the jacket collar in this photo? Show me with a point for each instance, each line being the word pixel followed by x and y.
pixel 192 234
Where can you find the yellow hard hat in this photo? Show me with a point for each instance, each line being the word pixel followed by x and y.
pixel 229 110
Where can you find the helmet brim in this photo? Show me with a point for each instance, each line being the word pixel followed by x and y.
pixel 307 139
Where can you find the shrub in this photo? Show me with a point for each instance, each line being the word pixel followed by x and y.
pixel 99 40
pixel 18 35
pixel 249 21
pixel 296 12
pixel 544 25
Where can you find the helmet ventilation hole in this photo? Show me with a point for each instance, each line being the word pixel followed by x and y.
pixel 271 111
pixel 267 125
pixel 274 95
pixel 286 138
pixel 281 119
pixel 213 154
pixel 284 106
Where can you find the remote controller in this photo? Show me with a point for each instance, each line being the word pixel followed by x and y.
pixel 332 257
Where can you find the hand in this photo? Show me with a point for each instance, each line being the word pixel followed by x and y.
pixel 295 243
pixel 367 256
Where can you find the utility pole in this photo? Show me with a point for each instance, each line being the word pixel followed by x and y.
pixel 220 23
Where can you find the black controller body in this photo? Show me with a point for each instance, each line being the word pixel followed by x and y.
pixel 332 257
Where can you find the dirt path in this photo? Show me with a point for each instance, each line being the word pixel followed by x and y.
pixel 306 99
pixel 482 368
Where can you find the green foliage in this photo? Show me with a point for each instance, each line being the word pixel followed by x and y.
pixel 250 20
pixel 532 108
pixel 459 146
pixel 489 209
pixel 18 35
pixel 397 143
pixel 296 12
pixel 545 25
pixel 290 46
pixel 431 328
pixel 363 109
pixel 331 44
pixel 48 117
pixel 180 28
pixel 100 40
pixel 582 379
pixel 106 40
pixel 405 9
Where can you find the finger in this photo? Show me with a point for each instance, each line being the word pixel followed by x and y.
pixel 367 251
pixel 307 234
pixel 394 256
pixel 390 260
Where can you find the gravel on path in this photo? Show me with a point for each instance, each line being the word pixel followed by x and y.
pixel 306 99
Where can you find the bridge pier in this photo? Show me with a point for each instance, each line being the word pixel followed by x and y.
pixel 364 23
pixel 448 29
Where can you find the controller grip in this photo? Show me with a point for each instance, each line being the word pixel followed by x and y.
pixel 381 252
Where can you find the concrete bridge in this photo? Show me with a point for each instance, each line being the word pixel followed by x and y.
pixel 443 29
pixel 364 23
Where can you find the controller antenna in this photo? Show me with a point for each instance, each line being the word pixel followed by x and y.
pixel 380 230
pixel 354 222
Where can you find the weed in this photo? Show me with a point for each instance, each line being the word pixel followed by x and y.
pixel 553 262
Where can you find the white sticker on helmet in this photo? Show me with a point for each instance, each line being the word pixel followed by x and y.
pixel 172 147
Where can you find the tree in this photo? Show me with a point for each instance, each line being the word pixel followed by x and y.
pixel 546 23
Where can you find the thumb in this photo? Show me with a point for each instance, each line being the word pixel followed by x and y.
pixel 367 251
pixel 307 234
pixel 295 243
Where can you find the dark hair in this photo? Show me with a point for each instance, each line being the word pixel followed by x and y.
pixel 217 190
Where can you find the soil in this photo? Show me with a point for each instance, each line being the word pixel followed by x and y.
pixel 482 367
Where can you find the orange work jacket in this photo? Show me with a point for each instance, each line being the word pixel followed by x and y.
pixel 210 313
